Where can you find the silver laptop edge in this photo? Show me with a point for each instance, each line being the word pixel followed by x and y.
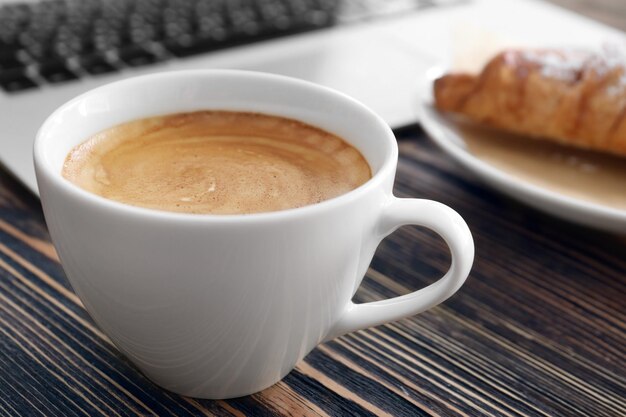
pixel 379 63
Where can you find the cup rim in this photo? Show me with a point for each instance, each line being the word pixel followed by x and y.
pixel 43 167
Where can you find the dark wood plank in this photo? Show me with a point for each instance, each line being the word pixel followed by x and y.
pixel 538 330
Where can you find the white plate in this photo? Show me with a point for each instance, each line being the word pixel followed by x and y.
pixel 443 132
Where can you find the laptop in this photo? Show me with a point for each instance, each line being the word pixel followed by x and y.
pixel 374 50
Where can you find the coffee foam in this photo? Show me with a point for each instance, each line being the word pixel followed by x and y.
pixel 216 162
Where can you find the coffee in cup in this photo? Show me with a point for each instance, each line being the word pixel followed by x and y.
pixel 220 306
pixel 216 162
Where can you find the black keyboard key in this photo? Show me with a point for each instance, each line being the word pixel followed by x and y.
pixel 211 27
pixel 136 56
pixel 149 10
pixel 67 43
pixel 187 46
pixel 243 16
pixel 96 64
pixel 141 30
pixel 51 32
pixel 15 80
pixel 9 59
pixel 37 43
pixel 275 15
pixel 176 24
pixel 56 71
pixel 105 37
pixel 14 14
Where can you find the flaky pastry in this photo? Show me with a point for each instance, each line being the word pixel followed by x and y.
pixel 575 98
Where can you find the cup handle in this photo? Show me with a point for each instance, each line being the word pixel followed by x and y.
pixel 452 228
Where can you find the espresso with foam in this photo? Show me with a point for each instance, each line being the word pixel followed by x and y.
pixel 216 162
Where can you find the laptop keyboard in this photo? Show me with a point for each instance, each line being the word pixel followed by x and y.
pixel 57 41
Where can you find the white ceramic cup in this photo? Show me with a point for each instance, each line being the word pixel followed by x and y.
pixel 219 306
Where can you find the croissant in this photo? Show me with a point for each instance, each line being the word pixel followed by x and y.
pixel 574 98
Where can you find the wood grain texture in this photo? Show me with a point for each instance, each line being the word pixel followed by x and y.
pixel 538 330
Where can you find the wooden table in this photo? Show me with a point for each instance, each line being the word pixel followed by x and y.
pixel 538 329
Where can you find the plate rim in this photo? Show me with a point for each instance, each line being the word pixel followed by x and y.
pixel 489 173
